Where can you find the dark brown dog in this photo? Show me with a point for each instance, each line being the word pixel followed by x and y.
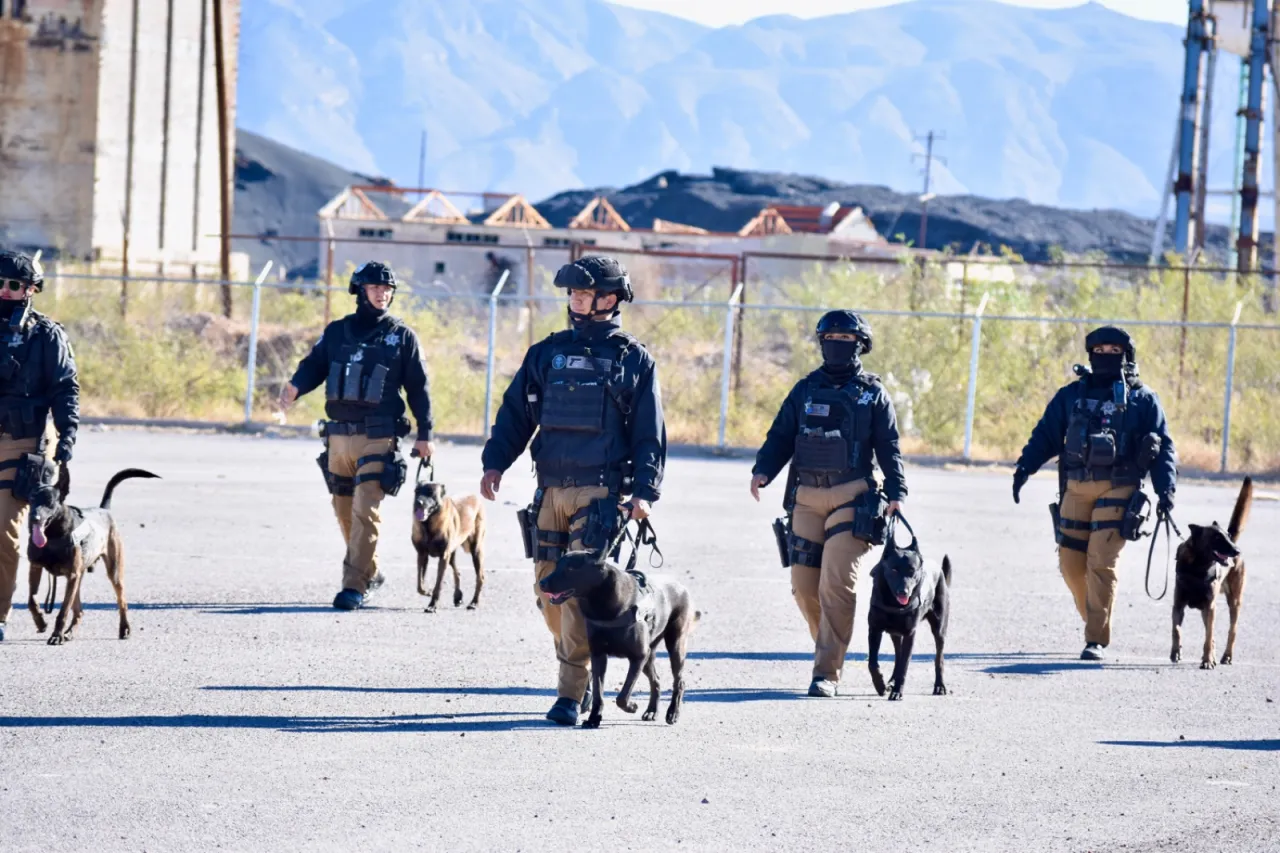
pixel 1209 562
pixel 441 527
pixel 67 541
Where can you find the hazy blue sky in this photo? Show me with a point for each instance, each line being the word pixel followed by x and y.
pixel 720 12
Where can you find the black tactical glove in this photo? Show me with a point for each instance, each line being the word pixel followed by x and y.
pixel 63 454
pixel 1020 477
pixel 1165 506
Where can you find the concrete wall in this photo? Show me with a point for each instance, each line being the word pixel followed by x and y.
pixel 48 113
pixel 170 207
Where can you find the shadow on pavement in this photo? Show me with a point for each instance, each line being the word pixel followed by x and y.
pixel 1050 667
pixel 422 691
pixel 1258 745
pixel 886 654
pixel 302 724
pixel 240 608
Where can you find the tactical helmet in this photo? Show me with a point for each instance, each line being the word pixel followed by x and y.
pixel 19 267
pixel 603 275
pixel 845 322
pixel 1111 335
pixel 373 272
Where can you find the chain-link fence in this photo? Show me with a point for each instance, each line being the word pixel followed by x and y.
pixel 970 363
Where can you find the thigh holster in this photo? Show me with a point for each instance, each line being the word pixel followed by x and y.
pixel 339 486
pixel 31 471
pixel 392 476
pixel 550 545
pixel 869 521
pixel 805 552
pixel 1137 509
pixel 601 520
pixel 1061 524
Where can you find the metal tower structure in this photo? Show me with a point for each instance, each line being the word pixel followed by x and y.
pixel 1198 45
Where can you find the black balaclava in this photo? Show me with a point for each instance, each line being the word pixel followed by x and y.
pixel 840 358
pixel 1107 367
pixel 11 311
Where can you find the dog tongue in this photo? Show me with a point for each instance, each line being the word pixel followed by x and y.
pixel 904 599
pixel 37 537
pixel 419 515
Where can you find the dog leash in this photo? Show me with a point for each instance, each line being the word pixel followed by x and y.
pixel 1170 528
pixel 644 536
pixel 431 470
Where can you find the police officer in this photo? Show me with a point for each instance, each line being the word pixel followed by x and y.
pixel 591 392
pixel 364 360
pixel 1108 431
pixel 37 379
pixel 829 427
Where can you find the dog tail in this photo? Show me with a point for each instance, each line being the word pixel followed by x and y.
pixel 946 568
pixel 1240 514
pixel 126 474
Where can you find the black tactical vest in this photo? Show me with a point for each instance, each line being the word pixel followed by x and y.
pixel 365 370
pixel 835 433
pixel 1097 445
pixel 22 412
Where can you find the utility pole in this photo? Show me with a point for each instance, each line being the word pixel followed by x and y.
pixel 925 196
pixel 422 165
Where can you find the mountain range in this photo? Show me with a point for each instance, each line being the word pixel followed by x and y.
pixel 1071 107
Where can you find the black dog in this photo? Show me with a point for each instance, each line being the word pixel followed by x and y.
pixel 903 591
pixel 626 618
pixel 1210 562
pixel 67 541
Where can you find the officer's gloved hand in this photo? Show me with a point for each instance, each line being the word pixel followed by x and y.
pixel 1020 477
pixel 1165 506
pixel 63 454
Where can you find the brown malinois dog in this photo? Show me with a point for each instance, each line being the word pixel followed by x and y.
pixel 441 527
pixel 1209 562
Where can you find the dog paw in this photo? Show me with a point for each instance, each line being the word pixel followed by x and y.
pixel 649 715
pixel 473 605
pixel 878 680
pixel 125 632
pixel 1226 660
pixel 940 690
pixel 1207 663
pixel 895 696
pixel 430 608
pixel 673 714
pixel 58 639
pixel 457 598
pixel 591 723
pixel 1175 655
pixel 629 707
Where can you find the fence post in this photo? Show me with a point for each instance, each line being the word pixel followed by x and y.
pixel 973 375
pixel 493 334
pixel 1231 378
pixel 726 369
pixel 252 366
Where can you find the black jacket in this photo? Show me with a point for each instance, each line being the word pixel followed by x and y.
pixel 38 378
pixel 779 444
pixel 407 371
pixel 1049 436
pixel 638 437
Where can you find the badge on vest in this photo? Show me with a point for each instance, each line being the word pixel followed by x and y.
pixel 866 398
pixel 1108 408
pixel 817 410
pixel 391 339
pixel 557 363
pixel 359 356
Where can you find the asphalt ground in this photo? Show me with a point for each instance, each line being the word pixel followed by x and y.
pixel 245 714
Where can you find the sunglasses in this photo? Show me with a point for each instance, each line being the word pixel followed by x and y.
pixel 13 284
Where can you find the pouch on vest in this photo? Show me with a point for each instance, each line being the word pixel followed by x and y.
pixel 1136 513
pixel 1102 450
pixel 821 453
pixel 351 381
pixel 33 471
pixel 783 537
pixel 869 521
pixel 577 406
pixel 1075 451
pixel 377 381
pixel 333 385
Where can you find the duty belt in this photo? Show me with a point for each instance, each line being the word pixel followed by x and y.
pixel 825 481
pixel 585 477
pixel 343 428
pixel 1118 475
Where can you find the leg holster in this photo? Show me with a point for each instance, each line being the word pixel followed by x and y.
pixel 32 470
pixel 393 474
pixel 782 537
pixel 869 521
pixel 603 520
pixel 343 487
pixel 805 552
pixel 1060 524
pixel 549 545
pixel 1137 509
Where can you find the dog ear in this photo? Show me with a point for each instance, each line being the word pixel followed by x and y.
pixel 443 490
pixel 1194 530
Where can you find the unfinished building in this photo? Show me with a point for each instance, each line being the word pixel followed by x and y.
pixel 109 130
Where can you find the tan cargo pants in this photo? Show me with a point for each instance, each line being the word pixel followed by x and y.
pixel 1091 575
pixel 564 621
pixel 360 514
pixel 826 595
pixel 13 520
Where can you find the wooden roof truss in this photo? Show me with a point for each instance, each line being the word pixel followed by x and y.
pixel 767 222
pixel 599 215
pixel 516 212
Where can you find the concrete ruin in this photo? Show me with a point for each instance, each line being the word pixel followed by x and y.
pixel 109 130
